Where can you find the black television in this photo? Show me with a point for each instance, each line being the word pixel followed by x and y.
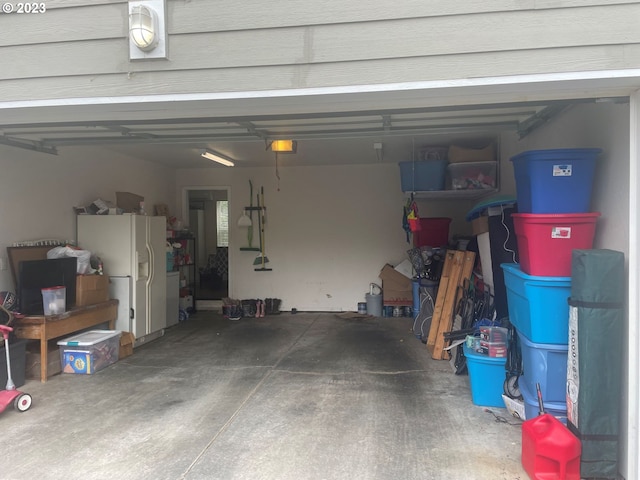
pixel 34 275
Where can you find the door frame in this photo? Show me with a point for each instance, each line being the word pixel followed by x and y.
pixel 184 199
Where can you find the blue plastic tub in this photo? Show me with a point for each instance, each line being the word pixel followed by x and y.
pixel 546 364
pixel 538 306
pixel 486 376
pixel 423 175
pixel 532 408
pixel 555 181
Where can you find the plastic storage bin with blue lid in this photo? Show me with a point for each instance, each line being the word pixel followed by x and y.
pixel 555 181
pixel 486 376
pixel 544 364
pixel 538 306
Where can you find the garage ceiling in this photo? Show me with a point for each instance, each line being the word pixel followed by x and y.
pixel 323 137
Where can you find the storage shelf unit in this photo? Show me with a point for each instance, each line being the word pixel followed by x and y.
pixel 185 263
pixel 453 194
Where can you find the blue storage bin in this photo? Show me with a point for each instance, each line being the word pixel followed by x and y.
pixel 538 306
pixel 486 376
pixel 423 175
pixel 546 364
pixel 532 409
pixel 555 181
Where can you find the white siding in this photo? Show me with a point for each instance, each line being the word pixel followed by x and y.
pixel 80 50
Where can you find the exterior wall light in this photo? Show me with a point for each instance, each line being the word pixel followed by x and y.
pixel 147 29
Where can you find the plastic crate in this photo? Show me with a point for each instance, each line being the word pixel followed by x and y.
pixel 532 408
pixel 546 364
pixel 423 175
pixel 89 352
pixel 545 241
pixel 434 232
pixel 486 376
pixel 538 306
pixel 473 175
pixel 555 181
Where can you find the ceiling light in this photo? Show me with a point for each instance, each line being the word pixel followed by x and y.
pixel 283 146
pixel 216 157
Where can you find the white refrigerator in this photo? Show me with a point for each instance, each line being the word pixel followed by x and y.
pixel 133 251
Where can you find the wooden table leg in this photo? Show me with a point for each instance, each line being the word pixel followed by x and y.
pixel 44 355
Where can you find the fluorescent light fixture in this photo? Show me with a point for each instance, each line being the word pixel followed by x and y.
pixel 216 157
pixel 284 146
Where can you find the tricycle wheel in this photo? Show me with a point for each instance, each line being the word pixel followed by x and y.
pixel 23 402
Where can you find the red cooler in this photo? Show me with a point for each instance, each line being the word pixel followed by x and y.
pixel 545 241
pixel 549 449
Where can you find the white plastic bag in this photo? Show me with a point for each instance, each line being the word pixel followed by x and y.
pixel 83 256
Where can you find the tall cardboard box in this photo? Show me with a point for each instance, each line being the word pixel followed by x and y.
pixel 127 340
pixel 91 289
pixel 397 288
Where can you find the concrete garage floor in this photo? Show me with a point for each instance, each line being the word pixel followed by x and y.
pixel 306 396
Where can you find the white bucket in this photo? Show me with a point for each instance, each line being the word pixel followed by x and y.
pixel 374 304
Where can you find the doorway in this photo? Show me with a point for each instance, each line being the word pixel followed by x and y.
pixel 208 220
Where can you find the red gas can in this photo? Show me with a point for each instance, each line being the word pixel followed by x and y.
pixel 549 449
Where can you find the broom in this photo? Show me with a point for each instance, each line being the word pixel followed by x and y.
pixel 261 259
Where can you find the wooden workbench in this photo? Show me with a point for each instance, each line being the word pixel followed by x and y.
pixel 45 328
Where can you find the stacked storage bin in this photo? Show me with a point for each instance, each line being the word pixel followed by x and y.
pixel 553 189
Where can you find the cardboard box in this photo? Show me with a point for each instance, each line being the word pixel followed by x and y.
pixel 397 289
pixel 459 153
pixel 480 225
pixel 126 345
pixel 128 202
pixel 91 289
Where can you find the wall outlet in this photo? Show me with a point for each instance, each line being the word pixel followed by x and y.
pixel 377 146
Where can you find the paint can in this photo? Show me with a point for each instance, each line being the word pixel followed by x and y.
pixel 388 311
pixel 398 311
pixel 362 307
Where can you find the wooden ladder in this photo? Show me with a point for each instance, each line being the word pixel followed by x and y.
pixel 458 267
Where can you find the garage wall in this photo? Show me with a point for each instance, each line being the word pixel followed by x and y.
pixel 80 48
pixel 39 190
pixel 329 230
pixel 605 126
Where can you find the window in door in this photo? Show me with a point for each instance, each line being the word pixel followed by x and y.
pixel 222 219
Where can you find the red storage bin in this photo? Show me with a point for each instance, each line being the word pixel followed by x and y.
pixel 434 232
pixel 545 241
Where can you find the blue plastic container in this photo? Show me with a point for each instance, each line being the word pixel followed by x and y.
pixel 546 364
pixel 423 175
pixel 555 181
pixel 532 408
pixel 538 306
pixel 486 376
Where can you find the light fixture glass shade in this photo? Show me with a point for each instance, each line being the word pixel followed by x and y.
pixel 216 157
pixel 284 146
pixel 143 26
